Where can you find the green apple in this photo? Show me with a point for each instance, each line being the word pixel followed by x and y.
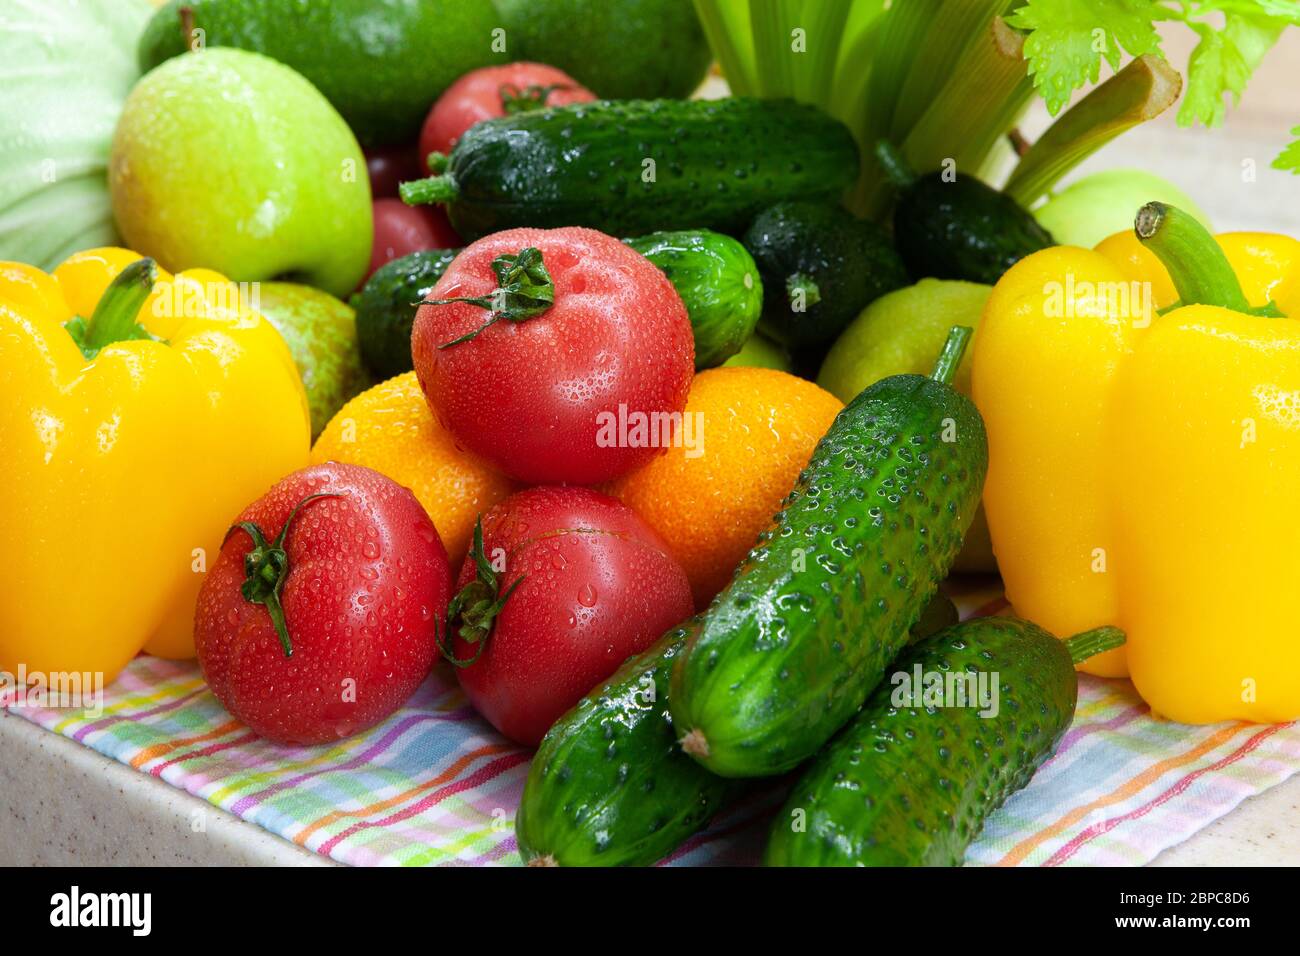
pixel 904 332
pixel 227 160
pixel 1102 204
pixel 321 333
pixel 760 352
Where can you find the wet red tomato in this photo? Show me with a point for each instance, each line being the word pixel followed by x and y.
pixel 572 584
pixel 542 351
pixel 493 91
pixel 349 562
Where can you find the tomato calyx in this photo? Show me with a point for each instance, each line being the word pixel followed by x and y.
pixel 524 291
pixel 267 566
pixel 473 610
pixel 515 99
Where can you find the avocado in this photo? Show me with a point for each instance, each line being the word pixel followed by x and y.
pixel 381 63
pixel 618 49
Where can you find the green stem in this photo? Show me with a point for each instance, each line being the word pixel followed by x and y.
pixel 524 291
pixel 433 189
pixel 1143 90
pixel 894 164
pixel 801 288
pixel 1090 643
pixel 114 316
pixel 266 566
pixel 1196 263
pixel 953 349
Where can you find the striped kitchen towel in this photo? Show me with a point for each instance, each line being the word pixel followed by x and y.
pixel 434 784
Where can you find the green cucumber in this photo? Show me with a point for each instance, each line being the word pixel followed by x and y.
pixel 717 280
pixel 958 228
pixel 386 309
pixel 821 267
pixel 636 166
pixel 609 785
pixel 713 274
pixel 789 651
pixel 910 781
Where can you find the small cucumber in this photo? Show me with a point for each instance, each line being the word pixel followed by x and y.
pixel 912 779
pixel 960 228
pixel 713 274
pixel 821 267
pixel 609 785
pixel 387 305
pixel 717 280
pixel 788 652
pixel 630 167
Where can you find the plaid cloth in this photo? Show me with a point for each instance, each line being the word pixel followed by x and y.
pixel 434 784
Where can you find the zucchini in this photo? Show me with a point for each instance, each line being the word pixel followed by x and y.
pixel 717 280
pixel 713 274
pixel 609 785
pixel 821 267
pixel 789 651
pixel 960 228
pixel 631 167
pixel 911 783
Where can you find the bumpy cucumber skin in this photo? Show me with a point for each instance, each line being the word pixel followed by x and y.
pixel 609 785
pixel 851 261
pixel 913 786
pixel 788 652
pixel 717 280
pixel 963 229
pixel 584 165
pixel 387 305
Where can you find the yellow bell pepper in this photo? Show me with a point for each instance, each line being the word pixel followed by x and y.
pixel 125 462
pixel 1145 467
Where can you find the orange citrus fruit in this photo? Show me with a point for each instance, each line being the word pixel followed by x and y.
pixel 389 428
pixel 712 493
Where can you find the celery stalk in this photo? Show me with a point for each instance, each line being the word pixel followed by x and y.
pixel 727 28
pixel 1144 89
pixel 984 96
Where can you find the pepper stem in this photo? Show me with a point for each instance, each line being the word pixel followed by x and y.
pixel 432 189
pixel 1090 643
pixel 267 566
pixel 950 358
pixel 1196 263
pixel 114 318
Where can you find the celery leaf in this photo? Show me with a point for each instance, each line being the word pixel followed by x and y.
pixel 1290 157
pixel 1067 40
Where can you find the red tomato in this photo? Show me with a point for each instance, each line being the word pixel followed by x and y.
pixel 364 584
pixel 492 91
pixel 401 229
pixel 587 584
pixel 389 166
pixel 552 393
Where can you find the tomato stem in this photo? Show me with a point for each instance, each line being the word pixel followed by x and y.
pixel 474 609
pixel 531 97
pixel 267 566
pixel 524 291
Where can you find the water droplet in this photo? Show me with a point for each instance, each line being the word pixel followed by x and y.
pixel 587 596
